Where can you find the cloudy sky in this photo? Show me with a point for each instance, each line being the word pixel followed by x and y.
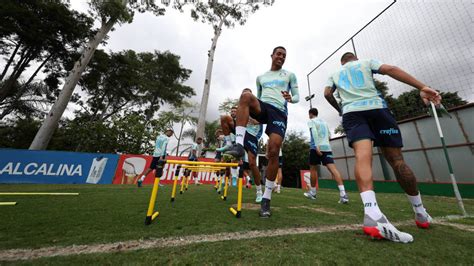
pixel 310 30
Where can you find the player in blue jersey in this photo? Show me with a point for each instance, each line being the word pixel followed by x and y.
pixel 161 144
pixel 275 89
pixel 368 122
pixel 321 153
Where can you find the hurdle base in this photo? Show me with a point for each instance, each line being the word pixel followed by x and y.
pixel 181 192
pixel 235 212
pixel 223 198
pixel 172 199
pixel 149 219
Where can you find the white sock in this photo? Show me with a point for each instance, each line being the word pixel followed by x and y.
pixel 259 188
pixel 342 190
pixel 269 185
pixel 239 135
pixel 417 203
pixel 312 190
pixel 142 178
pixel 371 208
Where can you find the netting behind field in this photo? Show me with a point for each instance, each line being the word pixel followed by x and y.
pixel 432 40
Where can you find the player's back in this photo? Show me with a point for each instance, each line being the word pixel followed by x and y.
pixel 356 87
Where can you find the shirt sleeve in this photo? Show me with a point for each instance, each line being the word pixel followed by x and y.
pixel 259 88
pixel 374 65
pixel 330 82
pixel 314 133
pixel 295 94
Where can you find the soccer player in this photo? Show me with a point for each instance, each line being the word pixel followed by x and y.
pixel 368 122
pixel 228 128
pixel 321 152
pixel 196 151
pixel 252 135
pixel 269 107
pixel 161 144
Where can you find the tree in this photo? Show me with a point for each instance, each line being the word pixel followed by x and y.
pixel 295 151
pixel 227 104
pixel 45 33
pixel 109 13
pixel 123 80
pixel 219 15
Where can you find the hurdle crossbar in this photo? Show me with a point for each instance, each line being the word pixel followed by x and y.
pixel 37 194
pixel 202 163
pixel 8 203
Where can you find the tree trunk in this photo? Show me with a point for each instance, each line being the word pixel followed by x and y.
pixel 50 123
pixel 5 70
pixel 179 137
pixel 19 68
pixel 37 70
pixel 207 82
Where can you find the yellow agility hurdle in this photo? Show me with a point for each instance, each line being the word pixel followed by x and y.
pixel 8 203
pixel 188 166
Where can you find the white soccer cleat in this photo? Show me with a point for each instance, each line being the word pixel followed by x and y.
pixel 309 195
pixel 423 220
pixel 382 228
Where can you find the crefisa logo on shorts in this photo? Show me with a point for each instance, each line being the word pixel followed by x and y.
pixel 279 123
pixel 389 131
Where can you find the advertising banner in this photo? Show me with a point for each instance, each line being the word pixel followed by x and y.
pixel 306 180
pixel 131 167
pixel 56 167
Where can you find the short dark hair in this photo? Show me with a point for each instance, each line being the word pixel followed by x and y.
pixel 313 111
pixel 278 47
pixel 199 138
pixel 234 107
pixel 343 57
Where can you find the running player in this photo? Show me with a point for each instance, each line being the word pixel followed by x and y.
pixel 161 144
pixel 196 151
pixel 368 122
pixel 269 107
pixel 321 152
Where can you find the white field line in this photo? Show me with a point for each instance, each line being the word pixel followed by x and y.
pixel 29 254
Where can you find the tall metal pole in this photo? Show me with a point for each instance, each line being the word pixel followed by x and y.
pixel 450 168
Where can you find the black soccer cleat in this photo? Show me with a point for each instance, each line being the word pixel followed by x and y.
pixel 265 208
pixel 237 151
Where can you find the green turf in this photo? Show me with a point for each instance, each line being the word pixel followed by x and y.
pixel 109 213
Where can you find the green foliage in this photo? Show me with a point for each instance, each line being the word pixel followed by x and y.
pixel 227 104
pixel 122 80
pixel 295 156
pixel 35 36
pixel 213 12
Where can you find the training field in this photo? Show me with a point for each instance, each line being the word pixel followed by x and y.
pixel 104 225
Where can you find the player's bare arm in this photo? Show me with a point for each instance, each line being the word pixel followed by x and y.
pixel 427 94
pixel 328 94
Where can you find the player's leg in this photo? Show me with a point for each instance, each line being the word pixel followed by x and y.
pixel 227 125
pixel 248 104
pixel 279 175
pixel 256 176
pixel 407 180
pixel 360 137
pixel 274 145
pixel 154 163
pixel 331 166
pixel 311 194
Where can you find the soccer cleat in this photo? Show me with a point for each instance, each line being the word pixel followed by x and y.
pixel 344 199
pixel 278 190
pixel 423 220
pixel 258 199
pixel 309 195
pixel 382 228
pixel 139 183
pixel 265 208
pixel 237 151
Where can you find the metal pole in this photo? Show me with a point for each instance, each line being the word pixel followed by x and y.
pixel 309 92
pixel 353 46
pixel 451 172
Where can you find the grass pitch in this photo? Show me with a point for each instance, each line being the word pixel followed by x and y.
pixel 107 214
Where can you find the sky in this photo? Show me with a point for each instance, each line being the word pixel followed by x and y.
pixel 309 30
